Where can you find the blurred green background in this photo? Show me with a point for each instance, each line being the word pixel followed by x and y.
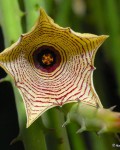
pixel 85 16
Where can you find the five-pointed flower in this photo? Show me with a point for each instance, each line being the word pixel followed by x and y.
pixel 52 66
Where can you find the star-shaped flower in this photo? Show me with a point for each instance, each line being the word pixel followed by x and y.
pixel 52 66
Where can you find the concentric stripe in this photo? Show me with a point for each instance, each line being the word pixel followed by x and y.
pixel 69 82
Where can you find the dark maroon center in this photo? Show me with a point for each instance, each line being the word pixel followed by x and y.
pixel 46 58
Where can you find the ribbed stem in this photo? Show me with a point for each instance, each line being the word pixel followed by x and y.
pixel 90 118
pixel 111 19
pixel 32 11
pixel 107 17
pixel 62 17
pixel 10 19
pixel 32 137
pixel 55 119
pixel 76 140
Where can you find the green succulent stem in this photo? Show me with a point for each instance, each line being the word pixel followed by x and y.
pixel 76 140
pixel 107 17
pixel 10 20
pixel 31 11
pixel 55 119
pixel 62 17
pixel 33 137
pixel 90 118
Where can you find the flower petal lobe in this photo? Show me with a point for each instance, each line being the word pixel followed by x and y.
pixel 52 66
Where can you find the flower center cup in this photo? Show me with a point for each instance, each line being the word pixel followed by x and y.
pixel 46 58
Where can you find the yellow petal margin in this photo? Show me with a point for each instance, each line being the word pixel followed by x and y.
pixel 68 79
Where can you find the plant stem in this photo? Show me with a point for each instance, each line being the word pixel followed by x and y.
pixel 63 15
pixel 107 17
pixel 10 17
pixel 32 11
pixel 55 119
pixel 90 118
pixel 111 19
pixel 33 137
pixel 76 140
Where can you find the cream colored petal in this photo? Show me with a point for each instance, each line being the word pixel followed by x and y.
pixel 71 81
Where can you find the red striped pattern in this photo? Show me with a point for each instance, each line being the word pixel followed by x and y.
pixel 69 82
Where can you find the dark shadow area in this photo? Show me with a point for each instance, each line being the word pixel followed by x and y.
pixel 9 128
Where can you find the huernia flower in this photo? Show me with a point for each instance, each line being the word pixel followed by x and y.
pixel 52 66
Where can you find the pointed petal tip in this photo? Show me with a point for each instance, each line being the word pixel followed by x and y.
pixel 43 13
pixel 0 58
pixel 29 120
pixel 28 124
pixel 32 118
pixel 102 38
pixel 105 36
pixel 44 16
